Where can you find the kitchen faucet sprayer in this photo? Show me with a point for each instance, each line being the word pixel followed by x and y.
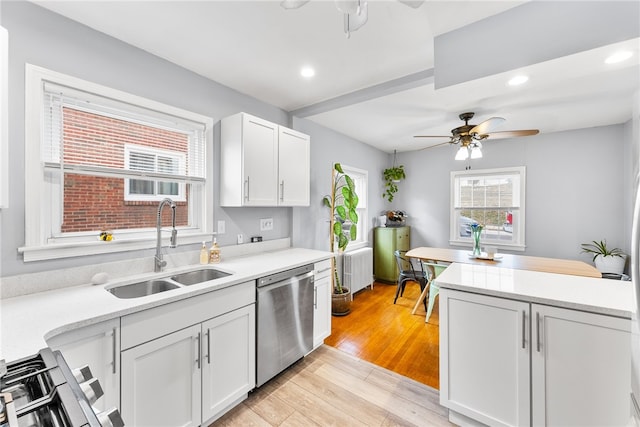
pixel 159 262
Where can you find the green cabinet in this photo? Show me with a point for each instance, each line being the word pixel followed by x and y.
pixel 386 241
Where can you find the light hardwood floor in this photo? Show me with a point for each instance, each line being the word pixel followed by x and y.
pixel 336 387
pixel 332 388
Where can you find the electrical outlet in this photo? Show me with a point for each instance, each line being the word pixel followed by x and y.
pixel 221 227
pixel 240 239
pixel 266 224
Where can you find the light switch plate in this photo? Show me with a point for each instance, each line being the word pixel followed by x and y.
pixel 221 227
pixel 240 239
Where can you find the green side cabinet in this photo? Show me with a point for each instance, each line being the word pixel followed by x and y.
pixel 386 240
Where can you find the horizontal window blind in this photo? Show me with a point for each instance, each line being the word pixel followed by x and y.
pixel 86 134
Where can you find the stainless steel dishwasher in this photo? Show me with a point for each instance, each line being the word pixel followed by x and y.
pixel 284 324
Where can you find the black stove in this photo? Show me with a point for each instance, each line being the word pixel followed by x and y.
pixel 42 391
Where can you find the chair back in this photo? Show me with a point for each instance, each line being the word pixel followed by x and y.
pixel 434 268
pixel 409 266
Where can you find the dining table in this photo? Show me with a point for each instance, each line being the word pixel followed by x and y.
pixel 432 256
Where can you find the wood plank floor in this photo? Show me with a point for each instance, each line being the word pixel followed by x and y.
pixel 388 335
pixel 332 388
pixel 379 367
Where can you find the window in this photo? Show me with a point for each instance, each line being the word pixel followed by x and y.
pixel 100 159
pixel 360 179
pixel 493 198
pixel 153 161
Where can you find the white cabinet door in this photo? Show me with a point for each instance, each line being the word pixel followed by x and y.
pixel 161 381
pixel 228 360
pixel 322 302
pixel 260 161
pixel 294 168
pixel 580 368
pixel 484 358
pixel 97 346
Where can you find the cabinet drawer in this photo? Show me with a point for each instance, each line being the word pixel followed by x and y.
pixel 147 325
pixel 322 269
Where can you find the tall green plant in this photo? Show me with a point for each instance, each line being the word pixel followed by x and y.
pixel 342 202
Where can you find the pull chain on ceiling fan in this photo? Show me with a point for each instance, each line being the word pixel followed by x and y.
pixel 470 136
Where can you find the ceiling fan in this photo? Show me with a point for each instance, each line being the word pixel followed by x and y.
pixel 470 136
pixel 356 12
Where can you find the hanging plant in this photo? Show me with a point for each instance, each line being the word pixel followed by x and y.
pixel 392 176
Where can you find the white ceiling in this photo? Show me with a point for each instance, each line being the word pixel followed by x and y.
pixel 258 48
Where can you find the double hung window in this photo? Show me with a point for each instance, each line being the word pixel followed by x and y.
pixel 360 179
pixel 98 160
pixel 493 198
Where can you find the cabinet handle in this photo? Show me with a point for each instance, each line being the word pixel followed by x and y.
pixel 199 350
pixel 538 331
pixel 282 191
pixel 246 194
pixel 524 317
pixel 113 354
pixel 208 346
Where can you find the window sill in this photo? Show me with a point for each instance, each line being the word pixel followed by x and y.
pixel 69 250
pixel 508 247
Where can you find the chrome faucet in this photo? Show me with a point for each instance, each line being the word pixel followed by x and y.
pixel 159 262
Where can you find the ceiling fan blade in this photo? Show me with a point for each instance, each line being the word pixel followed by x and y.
pixel 512 134
pixel 412 3
pixel 486 126
pixel 432 136
pixel 293 4
pixel 436 145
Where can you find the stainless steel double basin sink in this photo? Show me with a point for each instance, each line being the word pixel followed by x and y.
pixel 155 286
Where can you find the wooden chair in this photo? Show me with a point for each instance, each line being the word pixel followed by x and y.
pixel 433 269
pixel 410 269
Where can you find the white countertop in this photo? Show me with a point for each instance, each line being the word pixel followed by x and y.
pixel 604 296
pixel 27 321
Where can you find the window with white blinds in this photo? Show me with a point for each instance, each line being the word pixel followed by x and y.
pixel 493 198
pixel 102 160
pixel 360 179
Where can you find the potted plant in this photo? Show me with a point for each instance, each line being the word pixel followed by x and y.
pixel 392 176
pixel 606 260
pixel 343 218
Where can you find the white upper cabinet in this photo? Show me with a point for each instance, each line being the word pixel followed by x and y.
pixel 262 163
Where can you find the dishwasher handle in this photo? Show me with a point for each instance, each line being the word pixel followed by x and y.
pixel 307 277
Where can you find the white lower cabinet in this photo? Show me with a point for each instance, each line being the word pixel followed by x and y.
pixel 97 346
pixel 513 363
pixel 228 365
pixel 322 302
pixel 161 381
pixel 177 373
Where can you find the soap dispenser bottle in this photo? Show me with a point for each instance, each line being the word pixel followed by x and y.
pixel 214 253
pixel 204 254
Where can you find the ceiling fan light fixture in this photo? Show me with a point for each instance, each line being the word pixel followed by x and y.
pixel 462 154
pixel 355 21
pixel 618 57
pixel 476 152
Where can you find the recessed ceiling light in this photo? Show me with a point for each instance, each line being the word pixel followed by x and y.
pixel 618 57
pixel 517 80
pixel 307 72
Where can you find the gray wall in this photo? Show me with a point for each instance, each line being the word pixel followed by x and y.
pixel 575 186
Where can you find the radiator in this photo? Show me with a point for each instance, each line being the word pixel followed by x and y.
pixel 358 269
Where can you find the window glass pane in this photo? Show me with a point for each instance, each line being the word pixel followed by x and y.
pixel 139 186
pixel 168 188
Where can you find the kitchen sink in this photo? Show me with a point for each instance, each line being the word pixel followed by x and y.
pixel 198 276
pixel 142 289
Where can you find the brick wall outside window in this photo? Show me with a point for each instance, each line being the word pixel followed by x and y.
pixel 94 203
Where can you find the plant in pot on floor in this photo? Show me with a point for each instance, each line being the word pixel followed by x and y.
pixel 343 218
pixel 606 260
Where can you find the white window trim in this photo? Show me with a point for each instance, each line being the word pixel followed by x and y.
pixel 36 247
pixel 454 238
pixel 4 120
pixel 180 157
pixel 362 219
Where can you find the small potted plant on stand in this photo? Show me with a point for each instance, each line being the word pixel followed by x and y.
pixel 392 176
pixel 343 218
pixel 606 260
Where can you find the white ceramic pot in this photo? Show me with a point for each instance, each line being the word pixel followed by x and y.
pixel 610 264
